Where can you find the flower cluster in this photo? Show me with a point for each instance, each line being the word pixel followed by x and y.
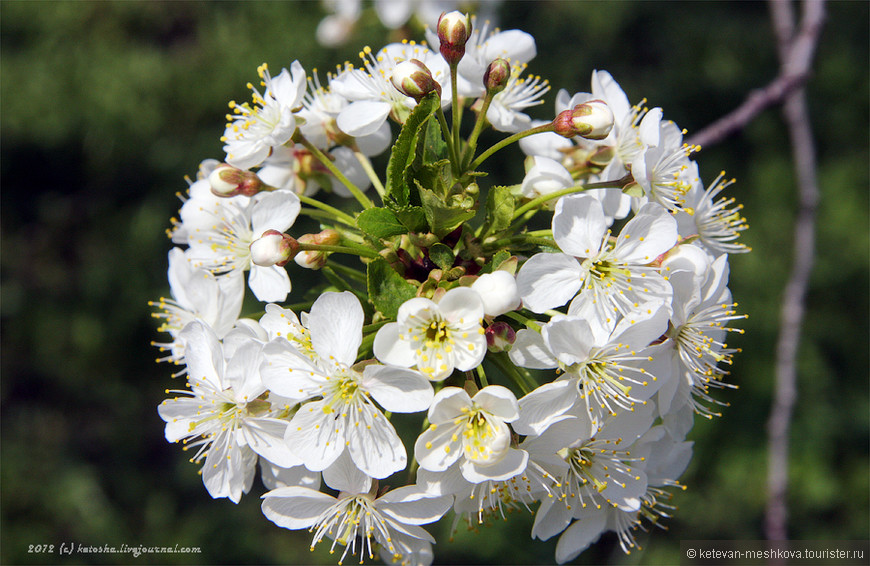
pixel 555 367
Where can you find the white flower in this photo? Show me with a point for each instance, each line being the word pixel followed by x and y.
pixel 605 278
pixel 225 246
pixel 225 414
pixel 664 172
pixel 717 223
pixel 505 111
pixel 356 519
pixel 196 295
pixel 604 364
pixel 498 292
pixel 253 131
pixel 372 95
pixel 544 177
pixel 435 337
pixel 472 431
pixel 336 411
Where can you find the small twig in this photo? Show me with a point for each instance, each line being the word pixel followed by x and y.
pixel 795 52
pixel 795 70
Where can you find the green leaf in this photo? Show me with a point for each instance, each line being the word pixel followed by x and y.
pixel 442 255
pixel 499 209
pixel 387 289
pixel 380 223
pixel 442 218
pixel 413 218
pixel 405 151
pixel 500 257
pixel 435 148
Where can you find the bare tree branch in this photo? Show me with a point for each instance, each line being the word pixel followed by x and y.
pixel 795 52
pixel 795 68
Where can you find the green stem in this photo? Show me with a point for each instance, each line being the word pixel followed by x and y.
pixel 520 239
pixel 355 274
pixel 538 201
pixel 481 375
pixel 530 323
pixel 478 127
pixel 506 142
pixel 448 137
pixel 511 372
pixel 327 162
pixel 337 214
pixel 373 176
pixel 339 249
pixel 456 111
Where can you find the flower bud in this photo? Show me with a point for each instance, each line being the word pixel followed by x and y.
pixel 314 259
pixel 229 181
pixel 500 337
pixel 454 29
pixel 496 77
pixel 592 120
pixel 273 248
pixel 413 78
pixel 498 292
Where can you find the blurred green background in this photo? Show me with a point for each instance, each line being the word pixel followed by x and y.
pixel 107 105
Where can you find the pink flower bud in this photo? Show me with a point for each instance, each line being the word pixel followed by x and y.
pixel 496 76
pixel 313 259
pixel 454 29
pixel 500 337
pixel 412 78
pixel 229 181
pixel 273 248
pixel 592 120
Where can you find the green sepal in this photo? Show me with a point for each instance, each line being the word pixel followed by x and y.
pixel 387 289
pixel 633 190
pixel 413 218
pixel 380 223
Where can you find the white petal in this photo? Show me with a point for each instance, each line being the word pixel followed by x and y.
pixel 643 326
pixel 544 406
pixel 436 450
pixel 652 232
pixel 469 352
pixel 275 476
pixel 397 389
pixel 413 506
pixel 265 436
pixel 551 518
pixel 389 349
pixel 579 225
pixel 269 284
pixel 335 322
pixel 224 471
pixel 295 507
pixel 448 404
pixel 461 305
pixel 179 414
pixel 373 444
pixel 513 463
pixel 570 339
pixel 202 354
pixel 530 351
pixel 579 536
pixel 363 117
pixel 316 436
pixel 499 401
pixel 274 211
pixel 288 373
pixel 548 281
pixel 344 475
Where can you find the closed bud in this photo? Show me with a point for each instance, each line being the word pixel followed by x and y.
pixel 273 248
pixel 500 337
pixel 496 76
pixel 498 292
pixel 454 29
pixel 229 181
pixel 413 78
pixel 592 120
pixel 313 259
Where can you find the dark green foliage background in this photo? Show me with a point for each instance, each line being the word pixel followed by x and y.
pixel 106 105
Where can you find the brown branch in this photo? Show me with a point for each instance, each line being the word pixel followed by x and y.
pixel 795 52
pixel 795 68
